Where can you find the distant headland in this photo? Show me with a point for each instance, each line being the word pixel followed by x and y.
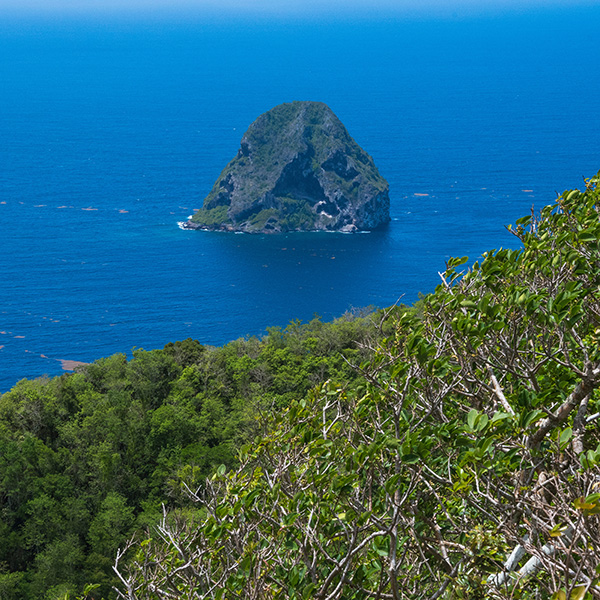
pixel 297 169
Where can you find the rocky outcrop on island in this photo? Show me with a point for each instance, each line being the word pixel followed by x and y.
pixel 297 169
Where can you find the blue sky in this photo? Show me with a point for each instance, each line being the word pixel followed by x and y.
pixel 451 8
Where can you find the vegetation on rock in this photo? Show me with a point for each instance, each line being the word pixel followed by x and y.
pixel 297 169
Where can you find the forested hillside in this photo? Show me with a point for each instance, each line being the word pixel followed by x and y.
pixel 89 458
pixel 460 461
pixel 467 465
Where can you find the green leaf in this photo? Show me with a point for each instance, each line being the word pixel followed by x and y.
pixel 392 483
pixel 246 565
pixel 565 436
pixel 90 587
pixel 484 446
pixel 557 530
pixel 500 416
pixel 411 459
pixel 588 235
pixel 531 417
pixel 482 422
pixel 290 519
pixel 456 262
pixel 578 593
pixel 590 504
pixel 471 418
pixel 468 304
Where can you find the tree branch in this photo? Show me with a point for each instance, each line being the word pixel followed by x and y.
pixel 580 392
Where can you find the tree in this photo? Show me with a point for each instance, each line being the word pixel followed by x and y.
pixel 468 467
pixel 86 458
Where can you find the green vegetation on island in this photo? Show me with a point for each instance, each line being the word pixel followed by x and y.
pixel 297 169
pixel 460 460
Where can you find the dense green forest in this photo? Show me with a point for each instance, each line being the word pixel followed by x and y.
pixel 87 459
pixel 448 450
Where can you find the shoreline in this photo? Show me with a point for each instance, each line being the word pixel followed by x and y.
pixel 189 225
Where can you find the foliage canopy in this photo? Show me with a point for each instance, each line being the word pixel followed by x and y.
pixel 467 465
pixel 89 458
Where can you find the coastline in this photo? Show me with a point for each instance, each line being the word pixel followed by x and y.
pixel 347 229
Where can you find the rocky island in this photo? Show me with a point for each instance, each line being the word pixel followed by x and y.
pixel 297 169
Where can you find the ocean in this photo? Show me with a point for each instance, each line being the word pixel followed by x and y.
pixel 112 131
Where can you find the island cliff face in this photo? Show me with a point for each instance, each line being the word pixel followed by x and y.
pixel 297 169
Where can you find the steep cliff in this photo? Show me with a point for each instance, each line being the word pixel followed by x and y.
pixel 297 169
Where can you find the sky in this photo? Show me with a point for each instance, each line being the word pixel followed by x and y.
pixel 280 8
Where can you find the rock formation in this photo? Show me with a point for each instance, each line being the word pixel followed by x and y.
pixel 297 169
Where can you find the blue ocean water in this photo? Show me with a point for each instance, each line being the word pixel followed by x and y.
pixel 112 131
